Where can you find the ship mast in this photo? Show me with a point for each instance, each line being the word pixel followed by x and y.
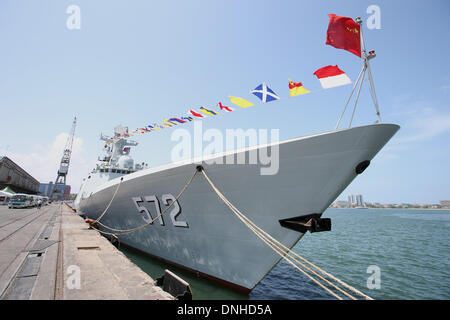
pixel 365 68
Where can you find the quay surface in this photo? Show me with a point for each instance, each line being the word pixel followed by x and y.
pixel 51 254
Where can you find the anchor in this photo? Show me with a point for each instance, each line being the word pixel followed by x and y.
pixel 310 222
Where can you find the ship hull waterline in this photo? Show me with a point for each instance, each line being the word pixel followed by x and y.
pixel 201 234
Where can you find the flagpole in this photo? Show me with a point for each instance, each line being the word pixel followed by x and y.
pixel 357 96
pixel 351 94
pixel 366 59
pixel 363 71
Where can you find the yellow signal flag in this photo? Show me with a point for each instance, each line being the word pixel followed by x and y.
pixel 296 88
pixel 241 102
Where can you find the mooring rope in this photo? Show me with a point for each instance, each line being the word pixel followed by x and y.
pixel 284 252
pixel 127 231
pixel 109 204
pixel 278 248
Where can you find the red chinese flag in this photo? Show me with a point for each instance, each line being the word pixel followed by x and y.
pixel 344 33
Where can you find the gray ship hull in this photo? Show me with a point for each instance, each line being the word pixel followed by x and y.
pixel 201 234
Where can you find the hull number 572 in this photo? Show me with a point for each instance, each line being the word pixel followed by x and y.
pixel 166 199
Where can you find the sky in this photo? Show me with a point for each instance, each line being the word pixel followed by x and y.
pixel 136 62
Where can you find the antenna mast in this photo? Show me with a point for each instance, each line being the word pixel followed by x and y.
pixel 64 166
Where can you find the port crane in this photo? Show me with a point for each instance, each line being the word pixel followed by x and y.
pixel 65 161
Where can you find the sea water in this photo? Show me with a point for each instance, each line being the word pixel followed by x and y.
pixel 409 250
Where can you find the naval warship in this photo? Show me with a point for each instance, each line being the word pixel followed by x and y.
pixel 199 233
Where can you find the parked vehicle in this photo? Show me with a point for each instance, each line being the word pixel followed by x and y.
pixel 20 200
pixel 4 200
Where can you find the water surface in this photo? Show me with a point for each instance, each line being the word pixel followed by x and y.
pixel 411 248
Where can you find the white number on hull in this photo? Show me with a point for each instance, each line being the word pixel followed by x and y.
pixel 158 208
pixel 176 209
pixel 146 215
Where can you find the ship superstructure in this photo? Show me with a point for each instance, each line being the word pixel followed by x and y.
pixel 115 162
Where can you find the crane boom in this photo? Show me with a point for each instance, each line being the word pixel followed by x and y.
pixel 65 160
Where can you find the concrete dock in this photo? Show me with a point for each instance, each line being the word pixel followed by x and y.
pixel 51 254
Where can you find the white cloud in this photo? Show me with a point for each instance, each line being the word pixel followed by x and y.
pixel 43 162
pixel 421 121
pixel 425 125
